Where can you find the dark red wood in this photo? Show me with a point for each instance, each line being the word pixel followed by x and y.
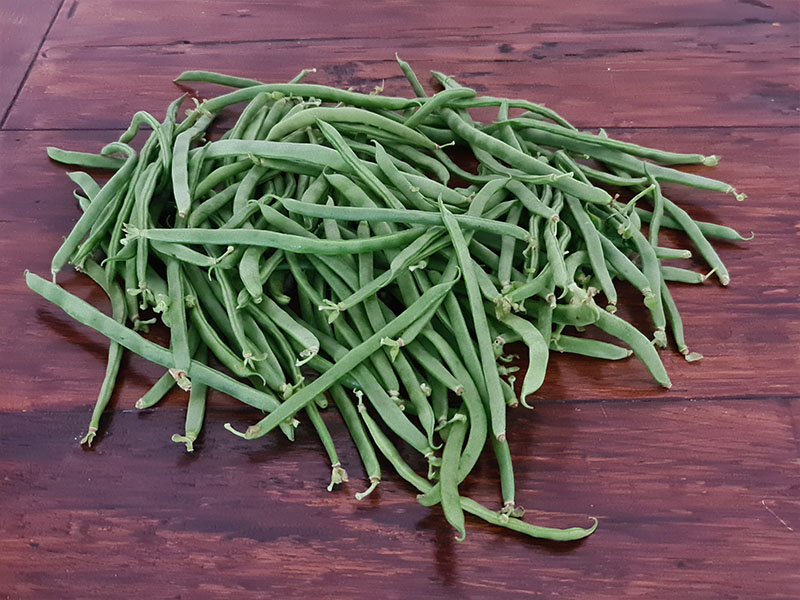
pixel 696 487
pixel 688 63
pixel 695 500
pixel 22 28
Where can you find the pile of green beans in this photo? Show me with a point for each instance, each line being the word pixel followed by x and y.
pixel 378 253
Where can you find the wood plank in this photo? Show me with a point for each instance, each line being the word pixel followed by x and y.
pixel 214 22
pixel 748 332
pixel 695 500
pixel 23 26
pixel 655 70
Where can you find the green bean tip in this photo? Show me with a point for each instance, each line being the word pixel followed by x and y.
pixel 184 439
pixel 373 483
pixel 230 428
pixel 89 437
pixel 338 475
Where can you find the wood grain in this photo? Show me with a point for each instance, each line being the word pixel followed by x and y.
pixel 652 71
pixel 693 500
pixel 23 26
pixel 696 488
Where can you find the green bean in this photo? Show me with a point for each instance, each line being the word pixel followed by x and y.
pixel 439 401
pixel 306 90
pixel 291 155
pixel 588 347
pixel 275 285
pixel 179 337
pixel 492 379
pixel 283 320
pixel 505 132
pixel 164 139
pixel 641 346
pixel 195 411
pixel 425 161
pixel 250 354
pixel 398 179
pixel 368 177
pixel 507 488
pixel 681 275
pixel 507 248
pixel 437 101
pixel 115 351
pixel 353 358
pixel 628 163
pixel 651 268
pixel 219 175
pixel 86 182
pixel 610 178
pixel 85 159
pixel 411 76
pixel 271 239
pixel 338 474
pixel 106 194
pixel 658 210
pixel 405 216
pixel 180 167
pixel 430 364
pixel 709 230
pixel 662 252
pixel 311 116
pixel 211 206
pixel 594 247
pixel 185 254
pixel 699 240
pixel 537 353
pixel 659 156
pixel 534 531
pixel 623 265
pixel 412 253
pixel 217 346
pixel 250 275
pixel 166 382
pixel 91 317
pixel 448 475
pixel 250 115
pixel 676 325
pixel 522 161
pixel 98 231
pixel 154 395
pixel 143 193
pixel 555 255
pixel 390 452
pixel 404 369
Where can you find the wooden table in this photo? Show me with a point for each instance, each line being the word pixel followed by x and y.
pixel 697 489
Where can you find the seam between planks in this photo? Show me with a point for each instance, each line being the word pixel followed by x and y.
pixel 30 66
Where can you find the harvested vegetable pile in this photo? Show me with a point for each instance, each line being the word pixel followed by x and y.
pixel 329 243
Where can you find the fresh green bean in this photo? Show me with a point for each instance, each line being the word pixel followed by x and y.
pixel 195 411
pixel 272 239
pixel 448 475
pixel 99 202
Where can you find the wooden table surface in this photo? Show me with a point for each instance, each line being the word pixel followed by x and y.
pixel 697 489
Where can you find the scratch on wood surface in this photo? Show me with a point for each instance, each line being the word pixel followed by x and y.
pixel 774 514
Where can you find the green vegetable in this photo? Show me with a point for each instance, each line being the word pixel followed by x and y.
pixel 318 245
